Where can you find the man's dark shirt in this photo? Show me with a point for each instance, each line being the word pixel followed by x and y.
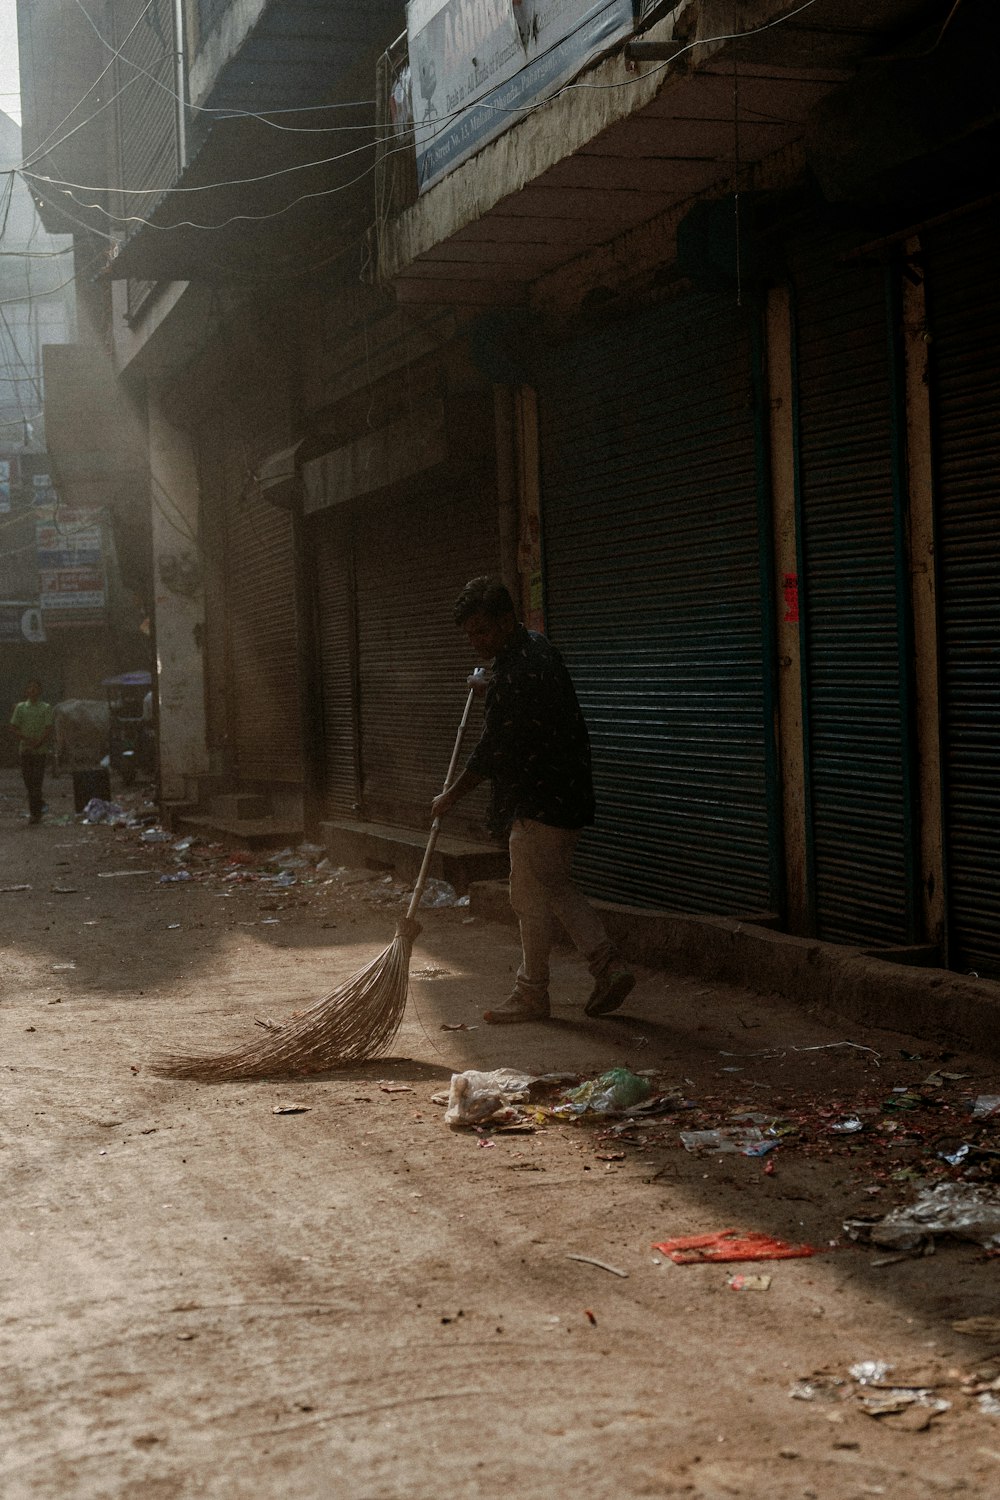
pixel 534 745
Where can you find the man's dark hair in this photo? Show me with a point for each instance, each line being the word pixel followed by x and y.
pixel 483 596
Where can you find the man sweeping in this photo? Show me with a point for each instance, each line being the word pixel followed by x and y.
pixel 536 752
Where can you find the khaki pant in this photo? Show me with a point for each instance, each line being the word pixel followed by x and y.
pixel 541 892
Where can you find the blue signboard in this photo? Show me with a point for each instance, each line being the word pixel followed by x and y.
pixel 478 65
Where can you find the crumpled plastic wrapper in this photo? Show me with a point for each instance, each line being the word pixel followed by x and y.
pixel 962 1209
pixel 476 1097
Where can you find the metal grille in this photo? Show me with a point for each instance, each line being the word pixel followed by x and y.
pixel 145 82
pixel 337 656
pixel 848 594
pixel 965 323
pixel 411 561
pixel 263 636
pixel 146 104
pixel 652 578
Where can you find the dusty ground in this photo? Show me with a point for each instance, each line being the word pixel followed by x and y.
pixel 204 1298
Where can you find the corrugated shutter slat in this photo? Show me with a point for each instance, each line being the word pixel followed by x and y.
pixel 653 595
pixel 411 561
pixel 964 310
pixel 848 592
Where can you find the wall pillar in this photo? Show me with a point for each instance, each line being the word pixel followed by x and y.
pixel 791 748
pixel 179 604
pixel 920 494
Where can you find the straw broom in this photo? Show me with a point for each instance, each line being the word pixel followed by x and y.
pixel 355 1021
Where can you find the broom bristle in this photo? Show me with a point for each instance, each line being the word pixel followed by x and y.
pixel 355 1021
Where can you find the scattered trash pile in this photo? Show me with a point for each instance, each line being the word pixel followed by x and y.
pixel 909 1398
pixel 506 1097
pixel 961 1210
pixel 113 814
pixel 288 875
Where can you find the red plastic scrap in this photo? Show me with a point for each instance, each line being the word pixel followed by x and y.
pixel 730 1244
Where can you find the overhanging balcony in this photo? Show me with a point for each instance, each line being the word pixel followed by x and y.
pixel 638 140
pixel 268 191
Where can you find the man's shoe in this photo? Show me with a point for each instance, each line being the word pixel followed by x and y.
pixel 609 991
pixel 518 1009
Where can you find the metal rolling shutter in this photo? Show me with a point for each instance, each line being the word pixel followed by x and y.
pixel 146 106
pixel 860 876
pixel 263 646
pixel 653 595
pixel 964 314
pixel 335 607
pixel 411 560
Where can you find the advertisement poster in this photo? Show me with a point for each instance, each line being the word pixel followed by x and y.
pixel 477 65
pixel 42 490
pixel 20 623
pixel 70 551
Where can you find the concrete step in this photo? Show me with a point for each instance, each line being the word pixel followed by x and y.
pixel 247 833
pixel 380 846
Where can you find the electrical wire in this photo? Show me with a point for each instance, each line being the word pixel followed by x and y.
pixel 47 146
pixel 234 218
pixel 36 254
pixel 443 124
pixel 248 114
pixel 303 166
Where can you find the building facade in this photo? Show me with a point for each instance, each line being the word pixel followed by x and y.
pixel 679 317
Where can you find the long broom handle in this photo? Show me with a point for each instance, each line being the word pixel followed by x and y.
pixel 418 889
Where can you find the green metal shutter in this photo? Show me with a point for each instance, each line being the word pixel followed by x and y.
pixel 652 552
pixel 964 313
pixel 858 831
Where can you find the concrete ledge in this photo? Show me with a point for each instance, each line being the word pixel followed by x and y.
pixel 379 846
pixel 249 833
pixel 886 991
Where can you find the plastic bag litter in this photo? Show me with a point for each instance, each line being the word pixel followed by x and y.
pixel 610 1094
pixel 985 1106
pixel 439 893
pixel 962 1209
pixel 98 810
pixel 476 1097
pixel 745 1139
pixel 177 879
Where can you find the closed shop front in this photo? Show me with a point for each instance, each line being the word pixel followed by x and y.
pixel 964 318
pixel 263 662
pixel 859 827
pixel 251 628
pixel 393 664
pixel 411 561
pixel 656 564
pixel 337 662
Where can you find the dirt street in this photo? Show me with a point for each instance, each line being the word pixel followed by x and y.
pixel 204 1296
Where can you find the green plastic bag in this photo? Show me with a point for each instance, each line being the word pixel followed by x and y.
pixel 614 1091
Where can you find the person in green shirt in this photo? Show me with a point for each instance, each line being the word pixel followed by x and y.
pixel 32 724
